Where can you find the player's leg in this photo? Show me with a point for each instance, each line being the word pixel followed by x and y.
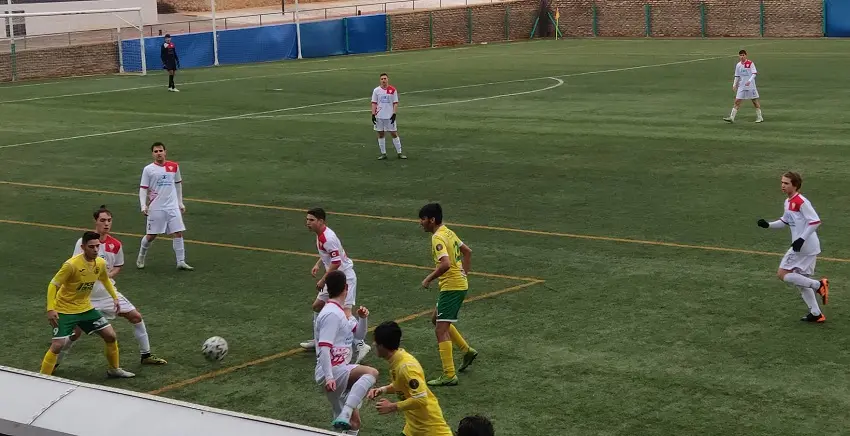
pixel 360 348
pixel 735 107
pixel 103 329
pixel 757 105
pixel 129 312
pixel 446 313
pixel 66 348
pixel 795 270
pixel 61 335
pixel 318 304
pixel 171 72
pixel 360 379
pixel 382 141
pixel 155 224
pixel 393 129
pixel 175 227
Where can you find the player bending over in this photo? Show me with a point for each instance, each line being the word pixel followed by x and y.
pixel 170 61
pixel 384 109
pixel 798 264
pixel 161 198
pixel 69 305
pixel 454 260
pixel 422 413
pixel 334 258
pixel 345 384
pixel 744 86
pixel 112 251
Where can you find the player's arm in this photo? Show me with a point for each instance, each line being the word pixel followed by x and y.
pixel 778 224
pixel 814 222
pixel 374 106
pixel 56 282
pixel 178 186
pixel 443 265
pixel 395 106
pixel 466 252
pixel 333 248
pixel 327 331
pixel 414 384
pixel 119 262
pixel 163 54
pixel 362 323
pixel 104 278
pixel 144 185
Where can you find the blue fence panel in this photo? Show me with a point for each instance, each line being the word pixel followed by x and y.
pixel 257 44
pixel 837 18
pixel 367 33
pixel 322 38
pixel 193 49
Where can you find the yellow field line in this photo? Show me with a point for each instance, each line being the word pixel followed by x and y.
pixel 229 369
pixel 268 250
pixel 453 224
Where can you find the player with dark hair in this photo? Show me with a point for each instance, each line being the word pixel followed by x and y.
pixel 69 305
pixel 422 412
pixel 384 112
pixel 112 251
pixel 475 425
pixel 346 384
pixel 170 61
pixel 454 261
pixel 744 86
pixel 798 264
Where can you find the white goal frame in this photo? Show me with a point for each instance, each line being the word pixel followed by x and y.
pixel 138 26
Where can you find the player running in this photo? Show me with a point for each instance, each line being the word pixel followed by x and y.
pixel 745 87
pixel 69 305
pixel 161 198
pixel 422 413
pixel 334 258
pixel 345 384
pixel 454 261
pixel 384 108
pixel 112 251
pixel 798 264
pixel 170 61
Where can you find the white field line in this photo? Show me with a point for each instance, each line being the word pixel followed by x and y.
pixel 109 91
pixel 253 114
pixel 513 94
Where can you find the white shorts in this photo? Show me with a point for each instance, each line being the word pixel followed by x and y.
pixel 750 93
pixel 165 222
pixel 337 398
pixel 351 299
pixel 385 125
pixel 106 306
pixel 799 263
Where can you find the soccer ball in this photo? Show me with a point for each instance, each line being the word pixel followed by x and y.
pixel 215 348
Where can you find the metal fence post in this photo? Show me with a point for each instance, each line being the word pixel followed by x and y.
pixel 595 20
pixel 702 24
pixel 647 15
pixel 469 24
pixel 761 18
pixel 431 27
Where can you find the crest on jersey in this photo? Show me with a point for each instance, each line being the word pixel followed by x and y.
pixel 439 247
pixel 748 63
pixel 111 246
pixel 413 383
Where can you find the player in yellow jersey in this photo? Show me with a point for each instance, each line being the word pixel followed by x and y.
pixel 69 305
pixel 422 413
pixel 454 260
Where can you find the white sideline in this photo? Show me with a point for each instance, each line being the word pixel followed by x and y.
pixel 253 114
pixel 442 103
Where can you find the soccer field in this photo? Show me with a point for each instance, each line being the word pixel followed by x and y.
pixel 621 285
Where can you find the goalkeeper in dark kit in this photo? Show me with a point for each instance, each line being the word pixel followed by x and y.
pixel 170 61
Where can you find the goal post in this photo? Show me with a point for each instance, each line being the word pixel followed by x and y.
pixel 69 43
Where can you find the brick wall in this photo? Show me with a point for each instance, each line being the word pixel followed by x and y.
pixel 61 62
pixel 615 18
pixel 204 5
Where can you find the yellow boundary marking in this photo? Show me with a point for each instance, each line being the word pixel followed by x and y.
pixel 294 351
pixel 453 224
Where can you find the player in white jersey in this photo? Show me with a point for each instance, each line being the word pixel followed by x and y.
pixel 161 199
pixel 345 384
pixel 744 86
pixel 798 264
pixel 112 252
pixel 334 258
pixel 384 109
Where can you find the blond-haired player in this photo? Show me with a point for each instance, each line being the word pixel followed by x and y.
pixel 744 86
pixel 798 264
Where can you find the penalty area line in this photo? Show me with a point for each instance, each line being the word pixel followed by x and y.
pixel 294 351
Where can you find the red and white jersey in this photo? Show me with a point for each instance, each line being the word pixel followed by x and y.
pixel 385 99
pixel 333 330
pixel 112 252
pixel 798 214
pixel 331 251
pixel 746 72
pixel 161 182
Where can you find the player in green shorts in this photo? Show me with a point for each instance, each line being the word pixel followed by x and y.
pixel 69 305
pixel 453 260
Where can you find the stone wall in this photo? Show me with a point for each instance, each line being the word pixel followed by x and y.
pixel 67 61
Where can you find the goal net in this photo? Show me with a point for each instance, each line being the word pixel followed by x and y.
pixel 71 43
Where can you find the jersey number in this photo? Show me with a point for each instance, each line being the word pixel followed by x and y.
pixel 458 258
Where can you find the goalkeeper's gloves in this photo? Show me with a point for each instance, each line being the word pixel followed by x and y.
pixel 797 244
pixel 763 223
pixel 374 120
pixel 392 119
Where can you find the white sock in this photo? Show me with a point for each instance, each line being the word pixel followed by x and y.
pixel 734 112
pixel 758 113
pixel 141 333
pixel 801 280
pixel 356 395
pixel 143 248
pixel 382 144
pixel 179 251
pixel 397 144
pixel 808 295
